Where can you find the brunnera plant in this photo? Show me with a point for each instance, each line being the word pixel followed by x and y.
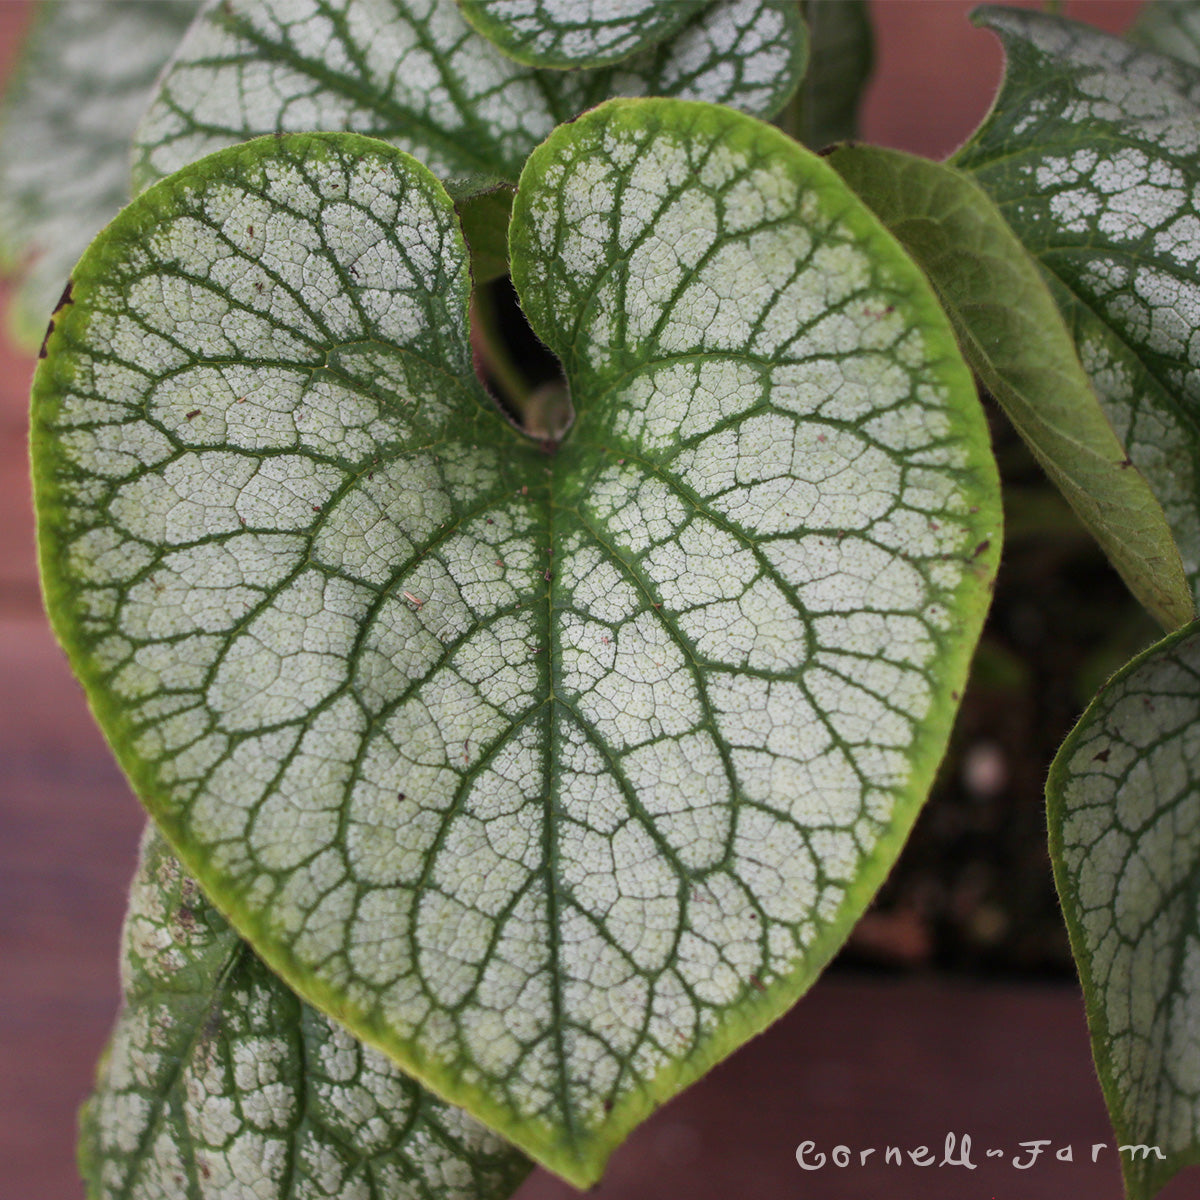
pixel 515 753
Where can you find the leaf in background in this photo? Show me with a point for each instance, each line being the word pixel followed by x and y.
pixel 220 1084
pixel 1170 27
pixel 1124 812
pixel 571 33
pixel 1092 154
pixel 65 127
pixel 841 57
pixel 1011 333
pixel 556 775
pixel 416 75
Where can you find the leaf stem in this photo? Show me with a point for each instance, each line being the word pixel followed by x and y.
pixel 494 357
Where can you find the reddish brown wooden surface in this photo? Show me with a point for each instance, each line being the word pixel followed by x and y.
pixel 868 1062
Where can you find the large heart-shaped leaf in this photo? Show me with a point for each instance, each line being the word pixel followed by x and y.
pixel 1013 336
pixel 220 1084
pixel 1124 810
pixel 554 775
pixel 414 73
pixel 1092 153
pixel 567 33
pixel 68 116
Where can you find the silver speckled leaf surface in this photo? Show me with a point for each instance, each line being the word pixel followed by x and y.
pixel 414 73
pixel 65 129
pixel 1013 336
pixel 1124 813
pixel 220 1084
pixel 555 776
pixel 576 33
pixel 1092 154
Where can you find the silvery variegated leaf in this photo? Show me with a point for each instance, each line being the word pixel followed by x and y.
pixel 577 33
pixel 1092 154
pixel 220 1084
pixel 1124 811
pixel 555 775
pixel 414 73
pixel 1013 336
pixel 65 127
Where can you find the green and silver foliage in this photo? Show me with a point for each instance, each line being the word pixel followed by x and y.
pixel 1092 153
pixel 219 1084
pixel 555 776
pixel 65 128
pixel 1170 27
pixel 1124 810
pixel 841 55
pixel 1012 335
pixel 577 33
pixel 415 74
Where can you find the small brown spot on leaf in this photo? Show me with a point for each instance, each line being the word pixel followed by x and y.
pixel 1102 756
pixel 194 413
pixel 49 331
pixel 981 548
pixel 757 984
